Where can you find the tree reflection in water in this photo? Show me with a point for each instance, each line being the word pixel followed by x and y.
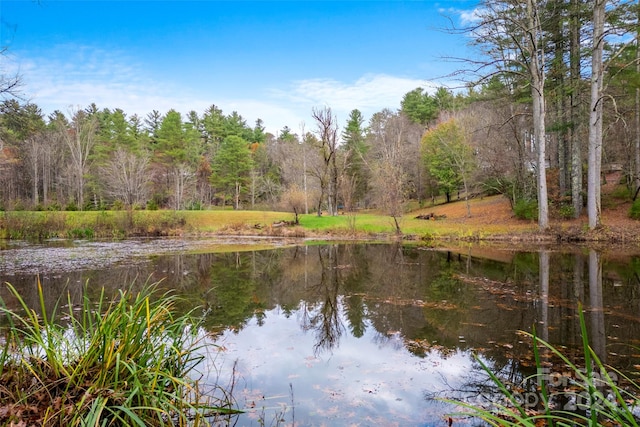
pixel 323 316
pixel 425 310
pixel 525 380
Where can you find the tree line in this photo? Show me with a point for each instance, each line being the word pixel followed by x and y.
pixel 552 95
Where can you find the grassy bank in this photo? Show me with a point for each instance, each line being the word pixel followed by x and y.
pixel 123 362
pixel 491 219
pixel 102 224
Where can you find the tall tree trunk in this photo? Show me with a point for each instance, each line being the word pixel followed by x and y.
pixel 333 187
pixel 45 180
pixel 236 199
pixel 576 146
pixel 36 182
pixel 559 70
pixel 537 73
pixel 595 117
pixel 637 109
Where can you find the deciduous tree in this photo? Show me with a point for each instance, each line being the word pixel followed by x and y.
pixel 80 139
pixel 512 39
pixel 124 177
pixel 449 158
pixel 327 130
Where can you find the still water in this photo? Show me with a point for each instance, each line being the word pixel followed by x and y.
pixel 360 334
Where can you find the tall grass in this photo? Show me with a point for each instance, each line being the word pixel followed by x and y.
pixel 125 362
pixel 103 224
pixel 596 394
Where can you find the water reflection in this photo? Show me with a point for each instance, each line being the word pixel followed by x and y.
pixel 369 330
pixel 598 337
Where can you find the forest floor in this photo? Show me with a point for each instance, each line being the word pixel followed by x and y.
pixel 495 215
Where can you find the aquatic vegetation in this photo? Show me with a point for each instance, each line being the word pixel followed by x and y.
pixel 595 394
pixel 130 361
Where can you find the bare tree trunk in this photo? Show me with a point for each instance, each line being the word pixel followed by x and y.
pixel 236 198
pixel 182 176
pixel 328 132
pixel 254 178
pixel 537 73
pixel 576 146
pixel 33 156
pixel 45 176
pixel 595 117
pixel 80 140
pixel 637 109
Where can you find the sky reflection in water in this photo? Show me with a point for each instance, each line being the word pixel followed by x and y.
pixel 371 380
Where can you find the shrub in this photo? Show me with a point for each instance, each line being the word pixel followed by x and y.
pixel 621 192
pixel 55 206
pixel 194 206
pixel 117 205
pixel 33 225
pixel 526 209
pixel 634 211
pixel 566 211
pixel 152 205
pixel 19 206
pixel 81 233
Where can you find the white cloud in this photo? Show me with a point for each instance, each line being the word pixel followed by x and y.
pixel 75 76
pixel 71 76
pixel 469 17
pixel 370 93
pixel 465 17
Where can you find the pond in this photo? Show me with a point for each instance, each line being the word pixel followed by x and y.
pixel 359 334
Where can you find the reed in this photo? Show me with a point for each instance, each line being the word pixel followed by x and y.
pixel 130 361
pixel 597 394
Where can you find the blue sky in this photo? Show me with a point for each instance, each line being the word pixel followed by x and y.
pixel 274 60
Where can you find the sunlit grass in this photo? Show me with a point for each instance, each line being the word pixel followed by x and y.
pixel 121 224
pixel 216 220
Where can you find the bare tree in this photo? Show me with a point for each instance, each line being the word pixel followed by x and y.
pixel 536 69
pixel 574 106
pixel 125 177
pixel 511 36
pixel 637 110
pixel 9 83
pixel 390 149
pixel 80 138
pixel 182 177
pixel 34 147
pixel 328 134
pixel 294 199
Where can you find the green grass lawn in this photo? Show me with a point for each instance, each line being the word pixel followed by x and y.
pixel 119 224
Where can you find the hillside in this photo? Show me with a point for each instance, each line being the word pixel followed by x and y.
pixel 494 216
